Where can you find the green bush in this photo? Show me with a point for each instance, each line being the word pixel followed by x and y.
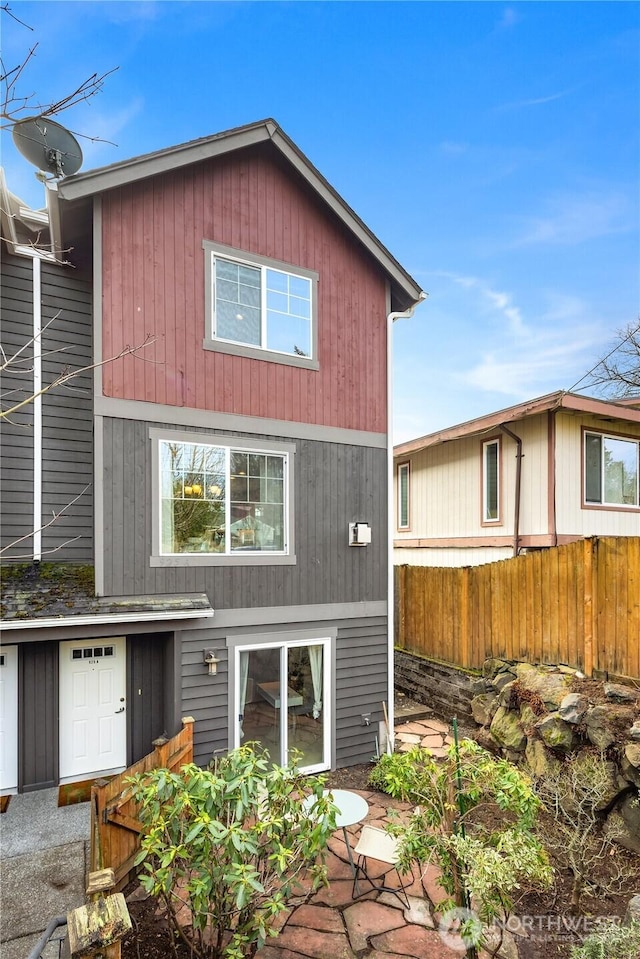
pixel 474 818
pixel 611 942
pixel 229 843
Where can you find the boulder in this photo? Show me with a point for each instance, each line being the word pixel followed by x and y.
pixel 480 686
pixel 549 684
pixel 634 732
pixel 555 732
pixel 539 760
pixel 633 910
pixel 504 696
pixel 600 730
pixel 528 717
pixel 630 763
pixel 623 824
pixel 617 693
pixel 491 667
pixel 573 708
pixel 503 679
pixel 483 708
pixel 507 731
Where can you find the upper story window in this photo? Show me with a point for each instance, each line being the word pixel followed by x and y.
pixel 611 470
pixel 259 307
pixel 403 496
pixel 219 500
pixel 491 481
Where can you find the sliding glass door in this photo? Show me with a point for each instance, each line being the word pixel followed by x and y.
pixel 282 695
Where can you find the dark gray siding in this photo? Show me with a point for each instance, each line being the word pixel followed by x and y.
pixel 334 485
pixel 360 685
pixel 67 424
pixel 67 415
pixel 38 715
pixel 16 435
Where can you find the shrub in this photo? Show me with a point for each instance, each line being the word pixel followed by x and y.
pixel 574 793
pixel 474 818
pixel 611 941
pixel 229 843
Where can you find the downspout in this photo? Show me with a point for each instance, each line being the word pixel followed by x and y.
pixel 516 517
pixel 391 318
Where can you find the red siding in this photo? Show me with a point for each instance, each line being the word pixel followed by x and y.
pixel 153 266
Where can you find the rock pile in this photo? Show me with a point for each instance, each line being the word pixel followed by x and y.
pixel 537 715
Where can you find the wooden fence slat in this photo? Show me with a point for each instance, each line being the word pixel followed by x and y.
pixel 115 831
pixel 577 604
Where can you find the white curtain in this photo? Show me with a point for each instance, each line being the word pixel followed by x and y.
pixel 315 659
pixel 244 673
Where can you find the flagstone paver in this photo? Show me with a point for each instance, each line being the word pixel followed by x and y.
pixel 313 943
pixel 367 918
pixel 322 918
pixel 413 942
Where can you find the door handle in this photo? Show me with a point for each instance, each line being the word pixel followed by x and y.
pixel 121 710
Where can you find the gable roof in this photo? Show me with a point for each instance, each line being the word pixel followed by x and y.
pixel 623 410
pixel 87 184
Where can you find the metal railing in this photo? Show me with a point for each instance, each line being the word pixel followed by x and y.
pixel 45 938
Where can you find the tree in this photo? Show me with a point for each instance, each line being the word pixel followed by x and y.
pixel 618 373
pixel 16 105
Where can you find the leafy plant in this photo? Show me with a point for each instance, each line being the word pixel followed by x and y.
pixel 229 843
pixel 474 818
pixel 611 941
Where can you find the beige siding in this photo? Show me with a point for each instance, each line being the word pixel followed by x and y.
pixel 473 556
pixel 446 482
pixel 572 517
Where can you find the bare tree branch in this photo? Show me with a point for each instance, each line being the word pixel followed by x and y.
pixel 54 519
pixel 617 374
pixel 68 374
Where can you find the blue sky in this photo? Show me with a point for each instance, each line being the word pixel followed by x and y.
pixel 493 148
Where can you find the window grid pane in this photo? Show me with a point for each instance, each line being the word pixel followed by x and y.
pixel 491 481
pixel 263 307
pixel 218 500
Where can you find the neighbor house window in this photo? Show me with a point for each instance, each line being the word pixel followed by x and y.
pixel 403 496
pixel 491 481
pixel 260 307
pixel 610 470
pixel 221 500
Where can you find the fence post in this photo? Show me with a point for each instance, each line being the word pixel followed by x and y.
pixel 465 644
pixel 588 607
pixel 161 752
pixel 400 585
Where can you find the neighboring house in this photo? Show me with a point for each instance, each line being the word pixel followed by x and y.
pixel 538 474
pixel 211 476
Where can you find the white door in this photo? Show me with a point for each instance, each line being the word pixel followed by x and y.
pixel 8 719
pixel 93 729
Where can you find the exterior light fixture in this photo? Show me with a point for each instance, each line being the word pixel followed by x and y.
pixel 211 661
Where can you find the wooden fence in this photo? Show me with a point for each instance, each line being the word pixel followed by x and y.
pixel 577 604
pixel 115 831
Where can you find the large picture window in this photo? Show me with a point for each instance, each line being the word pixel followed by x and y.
pixel 255 304
pixel 610 470
pixel 221 500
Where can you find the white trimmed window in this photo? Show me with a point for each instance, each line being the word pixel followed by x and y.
pixel 221 500
pixel 260 307
pixel 491 481
pixel 403 496
pixel 611 470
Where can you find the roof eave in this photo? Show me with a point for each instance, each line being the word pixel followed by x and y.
pixel 84 185
pixel 552 401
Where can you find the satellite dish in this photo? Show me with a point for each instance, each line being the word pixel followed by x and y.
pixel 48 146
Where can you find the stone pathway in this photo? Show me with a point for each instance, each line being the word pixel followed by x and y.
pixel 329 924
pixel 433 734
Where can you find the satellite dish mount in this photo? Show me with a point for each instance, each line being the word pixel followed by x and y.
pixel 49 146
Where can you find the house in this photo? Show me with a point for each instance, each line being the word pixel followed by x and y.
pixel 219 478
pixel 549 471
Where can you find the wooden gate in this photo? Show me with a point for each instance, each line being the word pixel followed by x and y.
pixel 115 830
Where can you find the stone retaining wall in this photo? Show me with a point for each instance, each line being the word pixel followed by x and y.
pixel 445 689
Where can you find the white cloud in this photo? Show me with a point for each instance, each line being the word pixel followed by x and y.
pixel 496 300
pixel 575 218
pixel 508 19
pixel 452 148
pixel 535 101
